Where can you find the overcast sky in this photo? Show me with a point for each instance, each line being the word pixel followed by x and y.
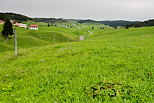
pixel 82 9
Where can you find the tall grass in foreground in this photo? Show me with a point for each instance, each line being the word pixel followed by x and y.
pixel 66 73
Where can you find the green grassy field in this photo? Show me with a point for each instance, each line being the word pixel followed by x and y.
pixel 111 66
pixel 30 38
pixel 45 35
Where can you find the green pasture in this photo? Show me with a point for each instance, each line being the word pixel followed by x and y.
pixel 110 66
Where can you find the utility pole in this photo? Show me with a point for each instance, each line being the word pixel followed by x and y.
pixel 77 35
pixel 15 43
pixel 68 39
pixel 60 36
pixel 87 34
pixel 54 38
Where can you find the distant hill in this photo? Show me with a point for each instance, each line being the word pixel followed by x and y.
pixel 19 17
pixel 118 23
pixel 14 16
pixel 49 20
pixel 110 23
pixel 88 21
pixel 142 24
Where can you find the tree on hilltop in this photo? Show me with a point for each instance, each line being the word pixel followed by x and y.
pixel 93 27
pixel 127 27
pixel 48 24
pixel 7 28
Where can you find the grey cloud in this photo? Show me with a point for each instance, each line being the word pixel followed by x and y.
pixel 85 9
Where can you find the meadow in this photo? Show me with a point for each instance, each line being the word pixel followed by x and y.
pixel 111 66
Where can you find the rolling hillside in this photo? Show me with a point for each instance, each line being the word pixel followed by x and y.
pixel 112 65
pixel 30 38
pixel 46 35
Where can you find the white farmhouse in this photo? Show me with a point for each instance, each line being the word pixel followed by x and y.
pixel 22 25
pixel 33 27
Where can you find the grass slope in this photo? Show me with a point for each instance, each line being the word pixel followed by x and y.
pixel 30 38
pixel 66 72
pixel 45 35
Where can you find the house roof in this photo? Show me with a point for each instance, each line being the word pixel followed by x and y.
pixel 2 21
pixel 34 25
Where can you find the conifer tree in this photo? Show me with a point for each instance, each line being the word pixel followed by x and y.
pixel 7 28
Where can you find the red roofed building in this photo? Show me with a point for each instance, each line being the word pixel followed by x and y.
pixel 34 27
pixel 2 22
